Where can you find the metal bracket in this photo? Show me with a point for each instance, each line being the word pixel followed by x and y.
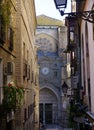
pixel 86 15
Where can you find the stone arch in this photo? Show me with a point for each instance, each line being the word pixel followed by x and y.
pixel 50 95
pixel 51 90
pixel 47 35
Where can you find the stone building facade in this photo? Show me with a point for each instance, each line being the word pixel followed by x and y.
pixel 52 72
pixel 22 62
pixel 84 28
pixel 7 55
pixel 87 55
pixel 26 66
pixel 7 49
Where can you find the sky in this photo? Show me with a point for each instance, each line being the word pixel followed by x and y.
pixel 47 7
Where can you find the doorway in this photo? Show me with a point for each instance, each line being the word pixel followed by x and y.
pixel 9 125
pixel 45 113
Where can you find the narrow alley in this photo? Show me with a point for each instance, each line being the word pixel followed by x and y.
pixel 46 64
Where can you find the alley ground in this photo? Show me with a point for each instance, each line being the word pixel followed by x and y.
pixel 54 127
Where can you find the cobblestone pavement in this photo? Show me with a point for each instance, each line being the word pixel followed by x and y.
pixel 53 127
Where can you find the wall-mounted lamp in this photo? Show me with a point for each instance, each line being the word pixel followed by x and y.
pixel 86 15
pixel 64 88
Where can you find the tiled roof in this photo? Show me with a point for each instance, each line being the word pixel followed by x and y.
pixel 45 20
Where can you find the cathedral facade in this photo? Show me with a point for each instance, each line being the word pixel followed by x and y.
pixel 50 70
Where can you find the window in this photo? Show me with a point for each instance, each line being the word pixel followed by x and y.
pixel 36 79
pixel 55 65
pixel 25 68
pixel 71 35
pixel 23 50
pixel 25 114
pixel 28 111
pixel 27 55
pixel 93 30
pixel 32 76
pixel 24 62
pixel 55 74
pixel 4 74
pixel 28 72
pixel 2 32
pixel 9 68
pixel 10 39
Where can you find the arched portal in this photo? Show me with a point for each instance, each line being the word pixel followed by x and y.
pixel 49 106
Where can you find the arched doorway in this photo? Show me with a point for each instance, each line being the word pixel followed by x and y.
pixel 48 106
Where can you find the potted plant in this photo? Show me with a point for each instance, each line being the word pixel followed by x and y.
pixel 13 99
